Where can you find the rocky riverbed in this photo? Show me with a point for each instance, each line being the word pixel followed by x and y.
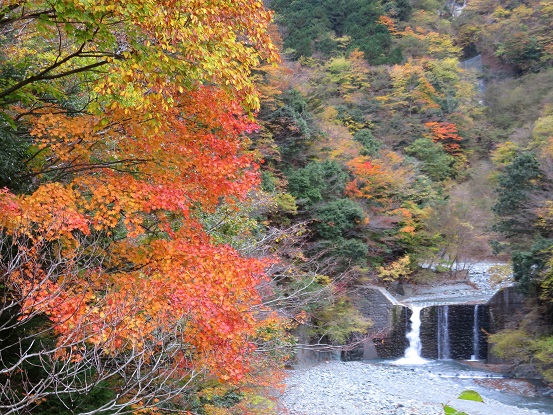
pixel 360 388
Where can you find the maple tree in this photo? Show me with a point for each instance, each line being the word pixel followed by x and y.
pixel 420 42
pixel 447 135
pixel 380 179
pixel 134 118
pixel 413 93
pixel 396 271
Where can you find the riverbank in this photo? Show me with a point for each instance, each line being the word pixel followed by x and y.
pixel 364 388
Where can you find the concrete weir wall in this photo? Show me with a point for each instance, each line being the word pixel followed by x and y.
pixel 504 306
pixel 308 354
pixel 389 322
pixel 461 339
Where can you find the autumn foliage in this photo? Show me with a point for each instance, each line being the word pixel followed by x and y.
pixel 108 245
pixel 381 179
pixel 446 134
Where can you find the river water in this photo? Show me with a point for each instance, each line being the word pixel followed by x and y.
pixel 477 379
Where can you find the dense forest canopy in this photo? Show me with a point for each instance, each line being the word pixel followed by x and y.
pixel 330 26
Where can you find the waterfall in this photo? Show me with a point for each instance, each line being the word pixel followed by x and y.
pixel 444 349
pixel 413 352
pixel 456 8
pixel 475 336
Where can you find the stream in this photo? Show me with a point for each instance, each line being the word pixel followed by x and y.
pixel 482 381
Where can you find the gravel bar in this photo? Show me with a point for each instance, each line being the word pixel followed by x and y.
pixel 359 388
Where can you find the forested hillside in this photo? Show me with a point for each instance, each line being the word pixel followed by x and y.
pixel 412 133
pixel 176 198
pixel 378 148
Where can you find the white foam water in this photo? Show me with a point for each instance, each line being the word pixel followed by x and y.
pixel 413 352
pixel 475 336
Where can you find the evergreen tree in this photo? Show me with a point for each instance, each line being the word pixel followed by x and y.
pixel 515 186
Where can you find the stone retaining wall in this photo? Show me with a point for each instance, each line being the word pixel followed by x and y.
pixel 504 306
pixel 389 319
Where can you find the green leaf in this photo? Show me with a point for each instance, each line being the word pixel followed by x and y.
pixel 448 410
pixel 470 395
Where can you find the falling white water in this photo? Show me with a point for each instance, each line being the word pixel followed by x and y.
pixel 475 336
pixel 413 352
pixel 444 350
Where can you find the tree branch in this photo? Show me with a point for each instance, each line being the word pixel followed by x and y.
pixel 43 75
